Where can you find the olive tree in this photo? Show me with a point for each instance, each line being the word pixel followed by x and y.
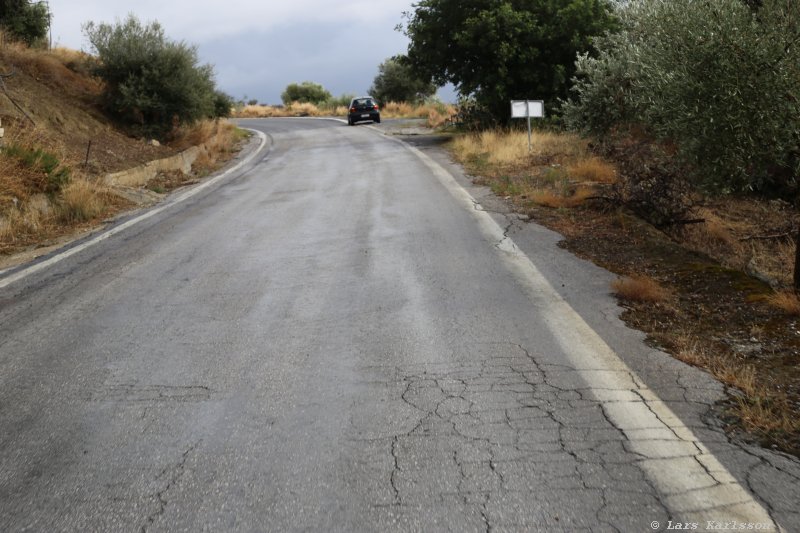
pixel 306 92
pixel 713 77
pixel 719 80
pixel 152 83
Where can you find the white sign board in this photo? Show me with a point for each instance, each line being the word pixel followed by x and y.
pixel 527 108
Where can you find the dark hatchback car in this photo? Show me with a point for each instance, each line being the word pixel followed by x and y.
pixel 363 108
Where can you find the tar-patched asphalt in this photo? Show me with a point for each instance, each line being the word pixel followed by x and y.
pixel 343 334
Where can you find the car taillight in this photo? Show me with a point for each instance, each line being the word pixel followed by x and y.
pixel 375 107
pixel 352 109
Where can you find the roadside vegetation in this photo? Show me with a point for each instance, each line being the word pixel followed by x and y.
pixel 151 83
pixel 59 143
pixel 435 112
pixel 670 156
pixel 400 92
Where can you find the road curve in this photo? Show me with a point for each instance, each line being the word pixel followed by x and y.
pixel 339 337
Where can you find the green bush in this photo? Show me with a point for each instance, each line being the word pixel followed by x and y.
pixel 339 101
pixel 152 83
pixel 223 104
pixel 717 79
pixel 396 82
pixel 306 92
pixel 24 20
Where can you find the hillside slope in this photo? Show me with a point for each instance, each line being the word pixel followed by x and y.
pixel 59 145
pixel 55 90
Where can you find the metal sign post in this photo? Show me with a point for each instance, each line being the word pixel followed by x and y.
pixel 527 109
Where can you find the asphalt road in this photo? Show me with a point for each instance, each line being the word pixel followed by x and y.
pixel 345 335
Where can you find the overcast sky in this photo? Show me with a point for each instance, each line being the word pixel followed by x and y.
pixel 257 48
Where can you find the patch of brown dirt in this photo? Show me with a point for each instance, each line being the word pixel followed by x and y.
pixel 65 104
pixel 720 311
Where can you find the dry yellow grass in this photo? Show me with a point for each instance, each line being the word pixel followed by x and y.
pixel 639 288
pixel 437 114
pixel 19 223
pixel 593 169
pixel 501 147
pixel 786 301
pixel 727 370
pixel 565 148
pixel 772 259
pixel 437 120
pixel 551 198
pixel 717 237
pixel 726 235
pixel 767 414
pixel 304 109
pixel 397 110
pixel 217 139
pixel 66 68
pixel 81 201
pixel 256 111
pixel 495 147
pixel 762 409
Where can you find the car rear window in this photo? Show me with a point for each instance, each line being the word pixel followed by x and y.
pixel 363 101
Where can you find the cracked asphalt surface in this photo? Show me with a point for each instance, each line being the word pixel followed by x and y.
pixel 349 336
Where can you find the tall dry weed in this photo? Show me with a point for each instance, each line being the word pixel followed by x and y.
pixel 787 301
pixel 762 408
pixel 303 109
pixel 398 110
pixel 593 169
pixel 81 201
pixel 216 138
pixel 568 199
pixel 640 288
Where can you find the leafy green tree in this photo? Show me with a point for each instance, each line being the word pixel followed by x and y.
pixel 152 83
pixel 397 82
pixel 306 92
pixel 499 50
pixel 716 79
pixel 24 20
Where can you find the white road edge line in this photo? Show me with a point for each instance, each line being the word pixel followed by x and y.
pixel 695 486
pixel 38 267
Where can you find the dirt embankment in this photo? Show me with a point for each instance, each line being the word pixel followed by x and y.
pixel 61 148
pixel 63 100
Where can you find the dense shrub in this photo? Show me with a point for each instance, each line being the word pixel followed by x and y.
pixel 719 79
pixel 397 82
pixel 152 83
pixel 25 20
pixel 223 104
pixel 305 93
pixel 339 101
